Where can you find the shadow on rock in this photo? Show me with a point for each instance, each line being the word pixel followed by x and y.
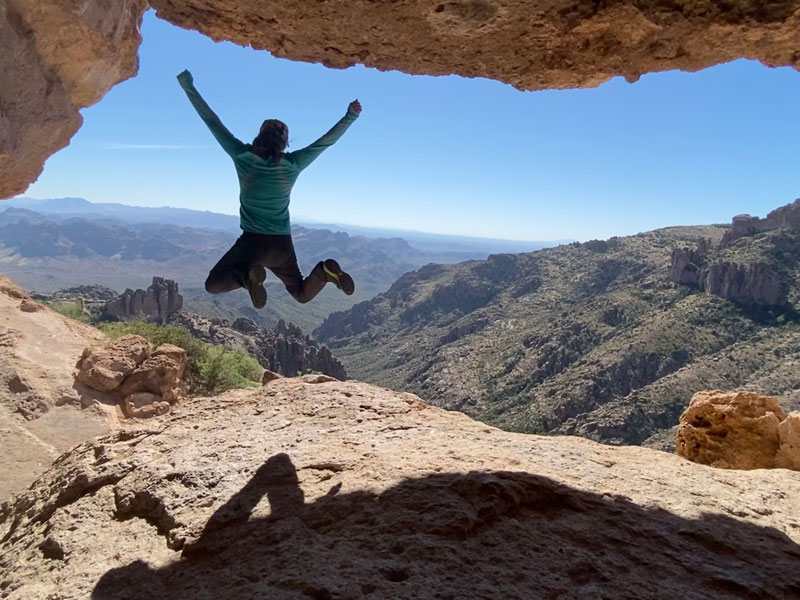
pixel 476 535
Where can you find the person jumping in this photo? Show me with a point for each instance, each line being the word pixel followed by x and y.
pixel 266 176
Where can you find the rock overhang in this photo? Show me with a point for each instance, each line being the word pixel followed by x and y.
pixel 61 56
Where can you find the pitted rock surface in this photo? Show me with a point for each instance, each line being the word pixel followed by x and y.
pixel 105 368
pixel 734 430
pixel 176 354
pixel 346 490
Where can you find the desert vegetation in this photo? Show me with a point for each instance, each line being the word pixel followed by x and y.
pixel 210 369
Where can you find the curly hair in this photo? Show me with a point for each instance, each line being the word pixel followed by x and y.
pixel 272 140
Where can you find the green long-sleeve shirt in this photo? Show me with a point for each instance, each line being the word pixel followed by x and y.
pixel 264 185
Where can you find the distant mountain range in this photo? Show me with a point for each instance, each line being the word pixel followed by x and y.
pixel 605 339
pixel 50 244
pixel 165 215
pixel 427 242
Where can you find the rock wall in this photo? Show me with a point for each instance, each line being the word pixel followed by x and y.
pixel 739 275
pixel 156 303
pixel 529 44
pixel 56 57
pixel 61 55
pixel 687 264
pixel 748 283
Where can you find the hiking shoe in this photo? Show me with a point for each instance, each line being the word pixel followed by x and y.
pixel 255 285
pixel 337 277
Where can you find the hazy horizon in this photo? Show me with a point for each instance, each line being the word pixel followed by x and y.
pixel 300 221
pixel 20 201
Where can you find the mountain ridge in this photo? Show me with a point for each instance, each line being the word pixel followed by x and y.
pixel 433 242
pixel 576 339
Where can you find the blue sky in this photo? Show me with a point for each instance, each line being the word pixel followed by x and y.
pixel 446 154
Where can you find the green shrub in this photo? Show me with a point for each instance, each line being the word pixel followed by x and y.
pixel 70 308
pixel 223 369
pixel 209 369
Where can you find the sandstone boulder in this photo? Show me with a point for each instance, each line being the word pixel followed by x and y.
pixel 104 369
pixel 157 375
pixel 731 430
pixel 788 456
pixel 176 353
pixel 142 405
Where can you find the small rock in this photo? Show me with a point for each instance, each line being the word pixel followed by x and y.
pixel 30 306
pixel 68 397
pixel 17 385
pixel 142 405
pixel 269 376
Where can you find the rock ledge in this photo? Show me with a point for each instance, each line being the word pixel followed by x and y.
pixel 345 490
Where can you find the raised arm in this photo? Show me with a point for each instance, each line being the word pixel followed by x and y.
pixel 226 139
pixel 306 156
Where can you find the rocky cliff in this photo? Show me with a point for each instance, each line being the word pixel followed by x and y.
pixel 282 348
pixel 785 217
pixel 345 490
pixel 61 56
pixel 753 263
pixel 160 300
pixel 755 282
